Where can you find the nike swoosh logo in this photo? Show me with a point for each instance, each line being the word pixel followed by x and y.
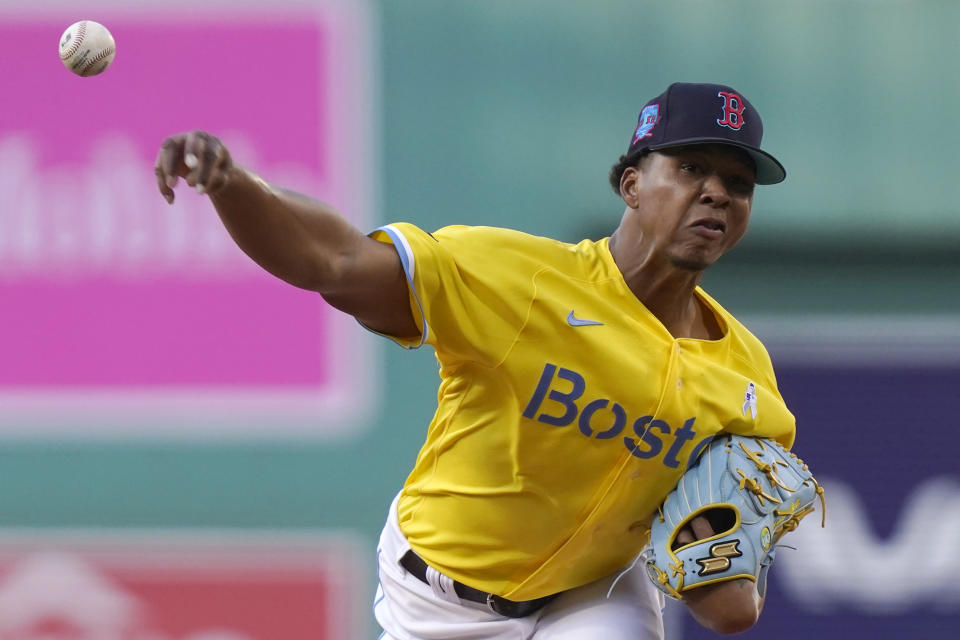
pixel 574 321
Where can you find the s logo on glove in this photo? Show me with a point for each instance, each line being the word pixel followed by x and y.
pixel 719 558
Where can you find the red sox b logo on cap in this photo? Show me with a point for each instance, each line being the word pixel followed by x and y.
pixel 732 110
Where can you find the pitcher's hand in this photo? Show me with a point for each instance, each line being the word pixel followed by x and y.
pixel 198 157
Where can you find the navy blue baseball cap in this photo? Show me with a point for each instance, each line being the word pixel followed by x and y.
pixel 688 114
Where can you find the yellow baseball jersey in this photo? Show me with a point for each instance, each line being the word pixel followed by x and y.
pixel 566 411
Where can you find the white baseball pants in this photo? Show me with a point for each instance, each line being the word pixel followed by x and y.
pixel 408 609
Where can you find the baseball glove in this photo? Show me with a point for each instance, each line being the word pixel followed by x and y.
pixel 752 491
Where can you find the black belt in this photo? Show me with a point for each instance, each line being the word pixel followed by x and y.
pixel 508 608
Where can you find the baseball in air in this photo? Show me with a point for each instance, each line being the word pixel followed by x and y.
pixel 87 48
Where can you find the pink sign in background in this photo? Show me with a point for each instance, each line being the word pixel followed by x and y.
pixel 109 291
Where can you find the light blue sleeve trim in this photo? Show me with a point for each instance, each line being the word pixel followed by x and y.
pixel 409 263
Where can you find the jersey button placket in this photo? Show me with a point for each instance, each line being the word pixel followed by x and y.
pixel 677 366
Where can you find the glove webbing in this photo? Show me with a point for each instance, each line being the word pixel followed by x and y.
pixel 768 470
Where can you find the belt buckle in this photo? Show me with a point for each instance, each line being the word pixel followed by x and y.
pixel 509 608
pixel 490 604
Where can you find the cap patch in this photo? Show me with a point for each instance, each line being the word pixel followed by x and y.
pixel 648 118
pixel 733 108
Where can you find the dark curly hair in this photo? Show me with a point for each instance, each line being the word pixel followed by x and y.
pixel 626 161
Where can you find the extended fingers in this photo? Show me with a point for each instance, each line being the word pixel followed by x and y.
pixel 207 161
pixel 166 166
pixel 198 157
pixel 194 148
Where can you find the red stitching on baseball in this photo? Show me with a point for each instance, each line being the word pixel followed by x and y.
pixel 77 41
pixel 97 58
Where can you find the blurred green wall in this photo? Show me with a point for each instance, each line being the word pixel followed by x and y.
pixel 510 113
